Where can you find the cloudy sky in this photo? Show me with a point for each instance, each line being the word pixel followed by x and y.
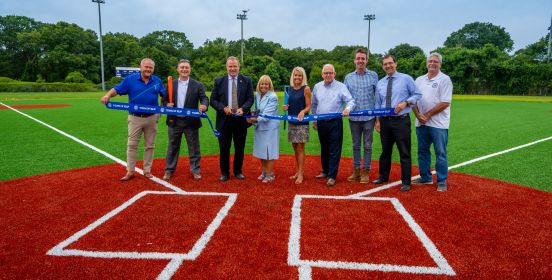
pixel 295 23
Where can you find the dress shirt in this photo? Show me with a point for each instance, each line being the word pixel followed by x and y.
pixel 362 88
pixel 182 90
pixel 404 89
pixel 230 89
pixel 331 98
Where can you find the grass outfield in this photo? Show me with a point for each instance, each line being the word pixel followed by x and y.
pixel 480 125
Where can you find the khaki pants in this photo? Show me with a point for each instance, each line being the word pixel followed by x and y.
pixel 137 125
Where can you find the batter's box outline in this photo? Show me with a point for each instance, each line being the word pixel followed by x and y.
pixel 176 258
pixel 305 266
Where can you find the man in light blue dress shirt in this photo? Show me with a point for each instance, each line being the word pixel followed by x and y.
pixel 396 90
pixel 330 96
pixel 362 85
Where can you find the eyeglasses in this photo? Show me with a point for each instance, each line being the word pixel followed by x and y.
pixel 328 73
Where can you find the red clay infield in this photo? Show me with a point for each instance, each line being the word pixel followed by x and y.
pixel 35 106
pixel 483 228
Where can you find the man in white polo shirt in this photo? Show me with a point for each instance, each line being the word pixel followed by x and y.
pixel 432 122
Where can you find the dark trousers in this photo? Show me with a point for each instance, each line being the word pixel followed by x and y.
pixel 395 130
pixel 330 134
pixel 234 128
pixel 173 149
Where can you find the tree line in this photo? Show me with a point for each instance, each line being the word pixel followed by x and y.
pixel 475 57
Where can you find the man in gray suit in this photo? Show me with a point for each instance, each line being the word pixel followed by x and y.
pixel 188 93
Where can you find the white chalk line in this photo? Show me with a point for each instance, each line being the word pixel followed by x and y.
pixel 396 183
pixel 176 259
pixel 305 266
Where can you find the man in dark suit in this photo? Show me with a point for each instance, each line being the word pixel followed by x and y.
pixel 188 93
pixel 232 97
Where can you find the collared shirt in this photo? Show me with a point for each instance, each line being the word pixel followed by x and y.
pixel 404 89
pixel 230 89
pixel 139 92
pixel 435 91
pixel 362 88
pixel 331 98
pixel 182 90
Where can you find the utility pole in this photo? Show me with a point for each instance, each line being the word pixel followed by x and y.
pixel 101 43
pixel 369 18
pixel 242 17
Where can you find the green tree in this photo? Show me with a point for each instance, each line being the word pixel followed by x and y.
pixel 14 56
pixel 405 51
pixel 120 50
pixel 476 34
pixel 172 43
pixel 57 49
pixel 537 51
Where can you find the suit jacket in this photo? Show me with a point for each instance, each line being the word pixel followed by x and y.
pixel 194 96
pixel 219 97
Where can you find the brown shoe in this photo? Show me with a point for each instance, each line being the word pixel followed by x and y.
pixel 364 179
pixel 355 176
pixel 148 175
pixel 129 175
pixel 167 176
pixel 197 176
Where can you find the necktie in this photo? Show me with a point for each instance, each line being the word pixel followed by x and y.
pixel 234 96
pixel 389 92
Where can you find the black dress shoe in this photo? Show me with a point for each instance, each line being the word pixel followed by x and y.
pixel 223 178
pixel 240 176
pixel 379 181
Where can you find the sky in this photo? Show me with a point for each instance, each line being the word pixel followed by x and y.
pixel 316 24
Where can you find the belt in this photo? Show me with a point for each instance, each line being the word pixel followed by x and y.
pixel 141 115
pixel 396 117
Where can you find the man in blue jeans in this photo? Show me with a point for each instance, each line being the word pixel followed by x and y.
pixel 362 85
pixel 432 122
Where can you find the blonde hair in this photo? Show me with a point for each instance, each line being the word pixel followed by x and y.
pixel 303 73
pixel 265 79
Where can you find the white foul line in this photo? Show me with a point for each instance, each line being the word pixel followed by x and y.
pixel 396 183
pixel 96 149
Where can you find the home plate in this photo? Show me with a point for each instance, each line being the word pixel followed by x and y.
pixel 365 233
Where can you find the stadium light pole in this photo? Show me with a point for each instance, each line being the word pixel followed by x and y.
pixel 242 17
pixel 369 18
pixel 101 43
pixel 549 38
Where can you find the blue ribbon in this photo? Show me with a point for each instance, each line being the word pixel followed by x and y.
pixel 153 109
pixel 195 113
pixel 313 118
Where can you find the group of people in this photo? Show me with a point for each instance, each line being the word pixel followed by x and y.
pixel 238 107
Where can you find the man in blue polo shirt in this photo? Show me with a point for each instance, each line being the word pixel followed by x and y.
pixel 141 88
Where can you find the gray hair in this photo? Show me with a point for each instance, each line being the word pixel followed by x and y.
pixel 437 55
pixel 328 65
pixel 233 58
pixel 147 59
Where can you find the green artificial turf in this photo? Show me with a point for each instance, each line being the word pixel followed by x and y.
pixel 478 128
